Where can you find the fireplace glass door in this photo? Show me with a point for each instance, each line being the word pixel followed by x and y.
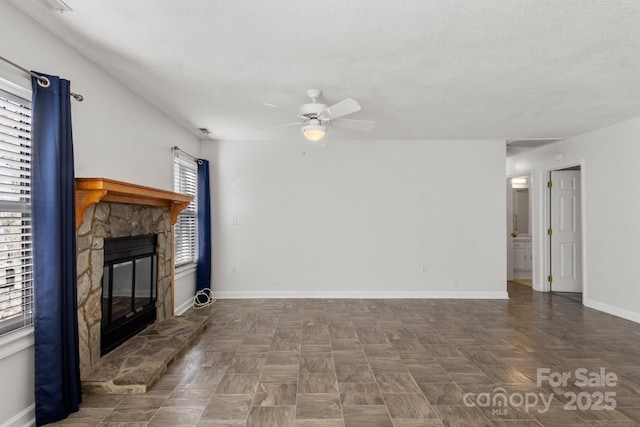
pixel 128 288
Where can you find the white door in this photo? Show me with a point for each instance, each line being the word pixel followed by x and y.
pixel 566 239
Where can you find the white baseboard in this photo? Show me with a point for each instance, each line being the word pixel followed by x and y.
pixel 24 418
pixel 361 295
pixel 182 308
pixel 613 310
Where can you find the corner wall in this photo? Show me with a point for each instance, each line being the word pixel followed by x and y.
pixel 611 210
pixel 116 134
pixel 366 219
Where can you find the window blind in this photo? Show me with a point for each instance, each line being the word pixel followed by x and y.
pixel 16 276
pixel 186 182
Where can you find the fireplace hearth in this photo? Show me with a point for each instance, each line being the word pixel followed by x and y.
pixel 129 284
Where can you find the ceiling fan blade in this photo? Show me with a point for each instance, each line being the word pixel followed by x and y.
pixel 353 124
pixel 280 126
pixel 275 107
pixel 342 108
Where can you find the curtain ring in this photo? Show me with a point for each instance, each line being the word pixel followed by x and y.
pixel 43 81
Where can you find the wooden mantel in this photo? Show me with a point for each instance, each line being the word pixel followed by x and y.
pixel 90 191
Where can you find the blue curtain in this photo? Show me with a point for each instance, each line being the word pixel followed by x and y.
pixel 57 368
pixel 203 274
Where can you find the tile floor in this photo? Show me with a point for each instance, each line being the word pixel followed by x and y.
pixel 396 363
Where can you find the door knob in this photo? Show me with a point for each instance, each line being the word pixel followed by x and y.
pixel 514 234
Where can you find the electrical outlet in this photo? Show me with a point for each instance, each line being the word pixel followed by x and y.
pixel 234 270
pixel 454 281
pixel 423 269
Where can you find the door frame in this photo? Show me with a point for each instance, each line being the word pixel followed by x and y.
pixel 509 221
pixel 544 210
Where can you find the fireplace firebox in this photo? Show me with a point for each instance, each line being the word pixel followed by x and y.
pixel 129 284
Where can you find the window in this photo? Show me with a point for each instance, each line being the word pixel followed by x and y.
pixel 16 276
pixel 185 181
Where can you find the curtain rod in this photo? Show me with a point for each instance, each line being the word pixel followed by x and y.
pixel 176 148
pixel 42 80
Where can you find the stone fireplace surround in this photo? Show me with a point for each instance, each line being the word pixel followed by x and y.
pixel 107 208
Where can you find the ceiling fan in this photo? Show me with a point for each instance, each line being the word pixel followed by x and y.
pixel 316 117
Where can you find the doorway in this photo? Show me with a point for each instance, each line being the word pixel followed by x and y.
pixel 519 250
pixel 564 233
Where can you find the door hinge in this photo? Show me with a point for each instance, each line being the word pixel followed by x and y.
pixel 549 279
pixel 549 184
pixel 549 232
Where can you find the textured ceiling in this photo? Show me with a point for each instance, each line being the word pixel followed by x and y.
pixel 422 69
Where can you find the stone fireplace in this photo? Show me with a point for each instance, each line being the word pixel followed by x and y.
pixel 107 209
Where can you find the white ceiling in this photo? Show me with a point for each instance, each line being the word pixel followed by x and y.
pixel 422 69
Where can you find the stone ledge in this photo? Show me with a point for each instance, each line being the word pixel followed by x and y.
pixel 135 366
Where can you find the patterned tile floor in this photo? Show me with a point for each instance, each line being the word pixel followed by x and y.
pixel 395 363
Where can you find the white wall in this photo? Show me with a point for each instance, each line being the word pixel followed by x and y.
pixel 16 370
pixel 358 219
pixel 117 135
pixel 611 210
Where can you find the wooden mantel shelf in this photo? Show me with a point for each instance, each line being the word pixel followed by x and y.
pixel 90 191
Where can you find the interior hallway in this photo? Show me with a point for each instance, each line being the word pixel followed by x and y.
pixel 396 363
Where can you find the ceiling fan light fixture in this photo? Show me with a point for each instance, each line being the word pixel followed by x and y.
pixel 316 117
pixel 314 132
